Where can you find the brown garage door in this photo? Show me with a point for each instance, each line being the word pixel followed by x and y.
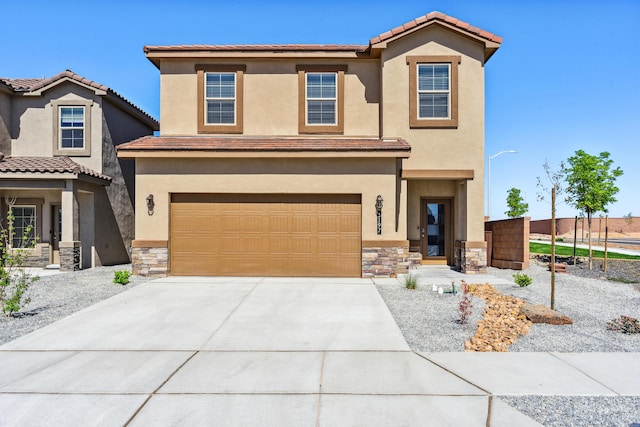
pixel 265 235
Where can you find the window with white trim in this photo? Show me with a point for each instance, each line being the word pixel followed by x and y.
pixel 220 98
pixel 71 127
pixel 322 98
pixel 24 225
pixel 434 91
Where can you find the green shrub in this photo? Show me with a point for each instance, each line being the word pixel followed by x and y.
pixel 121 277
pixel 410 282
pixel 14 280
pixel 522 279
pixel 624 324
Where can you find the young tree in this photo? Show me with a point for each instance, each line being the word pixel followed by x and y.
pixel 14 250
pixel 516 204
pixel 591 185
pixel 555 179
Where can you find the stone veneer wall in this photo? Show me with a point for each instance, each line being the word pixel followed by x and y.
pixel 471 257
pixel 150 261
pixel 39 257
pixel 388 261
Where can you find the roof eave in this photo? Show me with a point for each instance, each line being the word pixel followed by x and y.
pixel 55 176
pixel 151 153
pixel 39 91
pixel 157 57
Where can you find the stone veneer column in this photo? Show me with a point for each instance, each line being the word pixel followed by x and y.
pixel 150 258
pixel 471 257
pixel 387 259
pixel 70 245
pixel 70 256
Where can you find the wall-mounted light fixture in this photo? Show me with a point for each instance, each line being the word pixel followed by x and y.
pixel 150 204
pixel 379 203
pixel 379 214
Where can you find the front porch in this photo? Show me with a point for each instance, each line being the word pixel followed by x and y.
pixel 53 201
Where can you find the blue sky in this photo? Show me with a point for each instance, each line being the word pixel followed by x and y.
pixel 567 76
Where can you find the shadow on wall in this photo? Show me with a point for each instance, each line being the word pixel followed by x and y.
pixel 110 246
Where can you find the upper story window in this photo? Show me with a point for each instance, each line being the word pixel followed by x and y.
pixel 220 98
pixel 72 127
pixel 433 91
pixel 321 98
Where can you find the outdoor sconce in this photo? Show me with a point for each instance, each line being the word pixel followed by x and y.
pixel 379 214
pixel 150 204
pixel 379 203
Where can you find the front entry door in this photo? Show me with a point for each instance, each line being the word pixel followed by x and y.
pixel 56 232
pixel 435 231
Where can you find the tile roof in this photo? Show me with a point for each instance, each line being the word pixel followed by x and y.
pixel 424 19
pixel 436 16
pixel 31 85
pixel 258 48
pixel 62 164
pixel 245 144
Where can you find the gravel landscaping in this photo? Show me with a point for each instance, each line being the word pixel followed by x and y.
pixel 429 320
pixel 429 323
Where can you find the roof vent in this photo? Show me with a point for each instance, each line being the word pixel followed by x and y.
pixel 1 156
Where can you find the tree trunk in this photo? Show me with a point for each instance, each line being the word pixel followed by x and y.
pixel 590 254
pixel 553 248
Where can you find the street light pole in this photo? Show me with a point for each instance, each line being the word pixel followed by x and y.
pixel 489 178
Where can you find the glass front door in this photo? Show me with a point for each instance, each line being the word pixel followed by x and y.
pixel 435 229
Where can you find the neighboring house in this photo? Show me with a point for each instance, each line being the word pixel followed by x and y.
pixel 316 160
pixel 59 172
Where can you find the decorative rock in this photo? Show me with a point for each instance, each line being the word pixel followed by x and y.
pixel 501 324
pixel 540 314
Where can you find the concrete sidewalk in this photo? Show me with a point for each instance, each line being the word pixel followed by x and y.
pixel 264 351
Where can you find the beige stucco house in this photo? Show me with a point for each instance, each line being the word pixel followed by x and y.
pixel 316 160
pixel 59 173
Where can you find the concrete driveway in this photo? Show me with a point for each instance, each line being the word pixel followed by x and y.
pixel 236 351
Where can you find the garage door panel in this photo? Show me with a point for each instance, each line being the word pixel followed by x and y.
pixel 285 235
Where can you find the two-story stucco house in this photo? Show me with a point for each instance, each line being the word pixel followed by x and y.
pixel 316 160
pixel 59 173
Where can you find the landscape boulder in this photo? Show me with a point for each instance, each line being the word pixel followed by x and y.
pixel 541 314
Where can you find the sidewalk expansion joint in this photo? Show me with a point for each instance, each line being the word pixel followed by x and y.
pixel 453 373
pixel 584 373
pixel 153 393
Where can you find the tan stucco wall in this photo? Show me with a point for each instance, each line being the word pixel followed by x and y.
pixel 461 148
pixel 5 120
pixel 33 127
pixel 368 177
pixel 270 97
